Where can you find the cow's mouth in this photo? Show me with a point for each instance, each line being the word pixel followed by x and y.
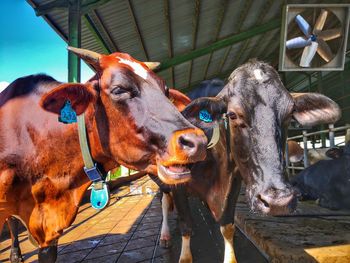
pixel 174 174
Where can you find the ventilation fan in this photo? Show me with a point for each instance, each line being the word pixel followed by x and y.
pixel 314 37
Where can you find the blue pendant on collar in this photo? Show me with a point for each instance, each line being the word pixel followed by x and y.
pixel 67 114
pixel 99 197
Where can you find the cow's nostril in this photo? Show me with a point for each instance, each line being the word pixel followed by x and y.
pixel 183 141
pixel 266 204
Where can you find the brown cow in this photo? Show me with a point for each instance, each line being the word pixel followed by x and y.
pixel 42 179
pixel 259 110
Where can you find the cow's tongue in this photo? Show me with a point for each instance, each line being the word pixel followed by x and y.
pixel 177 168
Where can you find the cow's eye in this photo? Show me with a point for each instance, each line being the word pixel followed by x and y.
pixel 118 90
pixel 232 115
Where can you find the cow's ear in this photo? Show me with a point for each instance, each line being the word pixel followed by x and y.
pixel 79 95
pixel 314 108
pixel 205 110
pixel 179 99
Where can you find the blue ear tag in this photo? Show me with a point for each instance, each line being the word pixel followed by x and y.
pixel 99 196
pixel 67 115
pixel 205 116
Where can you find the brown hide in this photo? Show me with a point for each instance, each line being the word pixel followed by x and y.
pixel 295 152
pixel 212 180
pixel 41 176
pixel 41 168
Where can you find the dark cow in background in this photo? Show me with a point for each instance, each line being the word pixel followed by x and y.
pixel 42 180
pixel 207 88
pixel 327 181
pixel 259 110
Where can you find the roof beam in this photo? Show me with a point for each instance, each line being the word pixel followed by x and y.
pixel 105 34
pixel 244 12
pixel 261 16
pixel 220 44
pixel 86 6
pixel 169 37
pixel 195 21
pixel 217 30
pixel 54 5
pixel 136 25
pixel 94 31
pixel 89 5
pixel 53 25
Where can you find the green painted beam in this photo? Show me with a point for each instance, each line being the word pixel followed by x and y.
pixel 94 31
pixel 273 24
pixel 74 28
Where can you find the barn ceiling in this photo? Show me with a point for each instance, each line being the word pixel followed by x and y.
pixel 194 39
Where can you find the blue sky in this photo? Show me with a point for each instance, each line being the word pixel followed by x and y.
pixel 28 45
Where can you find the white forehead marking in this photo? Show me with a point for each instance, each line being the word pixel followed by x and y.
pixel 138 69
pixel 258 74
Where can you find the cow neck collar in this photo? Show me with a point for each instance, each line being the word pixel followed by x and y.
pixel 90 167
pixel 84 147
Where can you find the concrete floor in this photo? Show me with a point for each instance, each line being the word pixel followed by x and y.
pixel 128 231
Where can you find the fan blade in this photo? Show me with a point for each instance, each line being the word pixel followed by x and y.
pixel 303 25
pixel 320 21
pixel 308 54
pixel 324 50
pixel 298 42
pixel 330 34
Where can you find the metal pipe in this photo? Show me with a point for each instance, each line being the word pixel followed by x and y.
pixel 306 160
pixel 342 128
pixel 296 167
pixel 331 135
pixel 286 156
pixel 74 25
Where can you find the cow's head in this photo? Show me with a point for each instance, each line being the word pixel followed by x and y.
pixel 260 109
pixel 131 116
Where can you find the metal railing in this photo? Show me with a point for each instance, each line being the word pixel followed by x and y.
pixel 331 130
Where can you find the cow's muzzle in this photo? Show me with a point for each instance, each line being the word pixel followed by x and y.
pixel 275 201
pixel 186 147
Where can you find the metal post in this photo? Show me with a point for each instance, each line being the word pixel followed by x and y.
pixel 331 135
pixel 74 27
pixel 286 156
pixel 320 90
pixel 306 159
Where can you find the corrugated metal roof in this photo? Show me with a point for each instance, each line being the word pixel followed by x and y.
pixel 157 30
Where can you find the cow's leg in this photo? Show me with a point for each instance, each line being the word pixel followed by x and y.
pixel 185 219
pixel 165 238
pixel 227 226
pixel 186 255
pixel 15 255
pixel 227 232
pixel 48 254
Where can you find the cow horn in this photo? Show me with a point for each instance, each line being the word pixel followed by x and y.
pixel 152 65
pixel 88 56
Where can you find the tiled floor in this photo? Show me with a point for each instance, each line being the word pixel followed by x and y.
pixel 128 230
